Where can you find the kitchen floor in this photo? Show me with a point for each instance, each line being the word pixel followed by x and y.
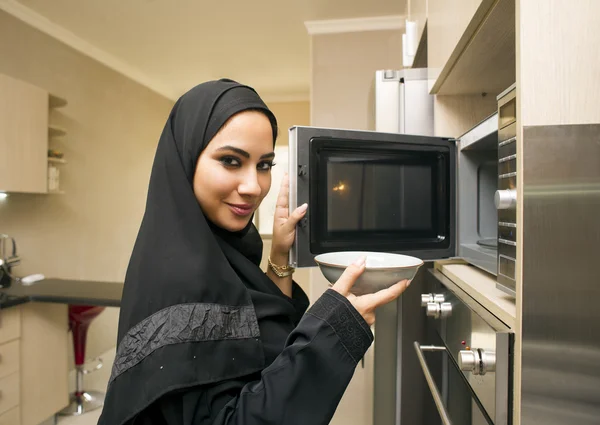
pixel 90 418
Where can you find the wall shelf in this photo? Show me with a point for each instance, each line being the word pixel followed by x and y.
pixel 55 131
pixel 484 59
pixel 57 160
pixel 56 102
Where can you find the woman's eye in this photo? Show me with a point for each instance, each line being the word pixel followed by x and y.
pixel 230 161
pixel 265 165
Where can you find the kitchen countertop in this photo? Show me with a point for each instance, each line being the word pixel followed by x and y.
pixel 64 291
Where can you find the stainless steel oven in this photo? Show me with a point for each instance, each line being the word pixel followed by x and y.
pixel 466 357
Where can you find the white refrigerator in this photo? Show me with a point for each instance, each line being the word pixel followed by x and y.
pixel 402 102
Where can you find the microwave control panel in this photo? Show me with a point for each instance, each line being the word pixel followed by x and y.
pixel 506 195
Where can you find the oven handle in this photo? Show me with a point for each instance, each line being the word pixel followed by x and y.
pixel 437 398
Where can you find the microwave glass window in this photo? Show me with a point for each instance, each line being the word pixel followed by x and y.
pixel 378 196
pixel 389 196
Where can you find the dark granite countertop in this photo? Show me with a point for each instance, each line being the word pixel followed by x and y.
pixel 64 291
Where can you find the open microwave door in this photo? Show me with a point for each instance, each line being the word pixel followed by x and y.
pixel 372 191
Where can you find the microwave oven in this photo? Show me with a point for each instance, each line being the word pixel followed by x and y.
pixel 429 197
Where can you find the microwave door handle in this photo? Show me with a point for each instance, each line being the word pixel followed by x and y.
pixel 437 398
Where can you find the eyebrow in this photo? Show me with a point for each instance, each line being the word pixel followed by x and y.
pixel 244 153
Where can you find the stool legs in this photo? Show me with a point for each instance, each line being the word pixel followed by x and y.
pixel 81 401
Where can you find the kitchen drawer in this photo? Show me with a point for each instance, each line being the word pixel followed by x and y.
pixel 9 358
pixel 11 417
pixel 9 392
pixel 10 324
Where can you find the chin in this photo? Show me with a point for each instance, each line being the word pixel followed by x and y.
pixel 234 225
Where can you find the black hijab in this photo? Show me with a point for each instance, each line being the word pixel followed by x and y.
pixel 186 316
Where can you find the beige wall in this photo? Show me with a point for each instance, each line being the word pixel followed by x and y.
pixel 289 114
pixel 113 127
pixel 343 71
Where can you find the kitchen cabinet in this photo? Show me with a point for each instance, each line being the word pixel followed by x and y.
pixel 23 137
pixel 471 46
pixel 44 361
pixel 33 362
pixel 446 23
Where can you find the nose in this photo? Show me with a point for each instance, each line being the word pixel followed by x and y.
pixel 249 185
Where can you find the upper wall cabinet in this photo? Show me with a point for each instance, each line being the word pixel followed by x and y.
pixel 471 46
pixel 23 137
pixel 446 23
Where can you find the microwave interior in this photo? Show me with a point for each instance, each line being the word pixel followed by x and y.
pixel 372 191
pixel 477 184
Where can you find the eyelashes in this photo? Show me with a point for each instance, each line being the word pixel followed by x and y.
pixel 230 161
pixel 233 162
pixel 267 165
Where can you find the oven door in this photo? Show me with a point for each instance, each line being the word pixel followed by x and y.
pixel 465 358
pixel 370 191
pixel 456 403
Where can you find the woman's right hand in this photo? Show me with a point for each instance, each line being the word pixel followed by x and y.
pixel 366 304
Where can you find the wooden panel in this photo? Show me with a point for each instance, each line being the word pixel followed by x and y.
pixel 9 358
pixel 483 60
pixel 559 68
pixel 446 23
pixel 11 417
pixel 482 286
pixel 420 60
pixel 23 136
pixel 9 392
pixel 44 364
pixel 455 115
pixel 10 324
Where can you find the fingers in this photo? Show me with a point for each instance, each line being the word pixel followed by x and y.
pixel 284 192
pixel 384 296
pixel 349 277
pixel 298 213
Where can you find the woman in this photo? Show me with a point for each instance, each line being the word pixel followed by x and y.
pixel 206 337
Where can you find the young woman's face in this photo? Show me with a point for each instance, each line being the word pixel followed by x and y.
pixel 233 173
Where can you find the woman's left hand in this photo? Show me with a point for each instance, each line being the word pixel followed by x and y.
pixel 284 224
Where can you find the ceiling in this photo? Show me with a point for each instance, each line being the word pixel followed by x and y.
pixel 172 45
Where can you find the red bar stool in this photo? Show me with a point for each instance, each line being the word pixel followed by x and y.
pixel 80 317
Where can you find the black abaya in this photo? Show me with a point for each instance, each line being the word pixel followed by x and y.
pixel 205 337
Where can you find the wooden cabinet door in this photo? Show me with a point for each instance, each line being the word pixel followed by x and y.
pixel 44 361
pixel 23 137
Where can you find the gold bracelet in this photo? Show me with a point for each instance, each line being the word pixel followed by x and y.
pixel 281 271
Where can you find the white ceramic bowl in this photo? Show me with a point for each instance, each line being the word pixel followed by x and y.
pixel 382 269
